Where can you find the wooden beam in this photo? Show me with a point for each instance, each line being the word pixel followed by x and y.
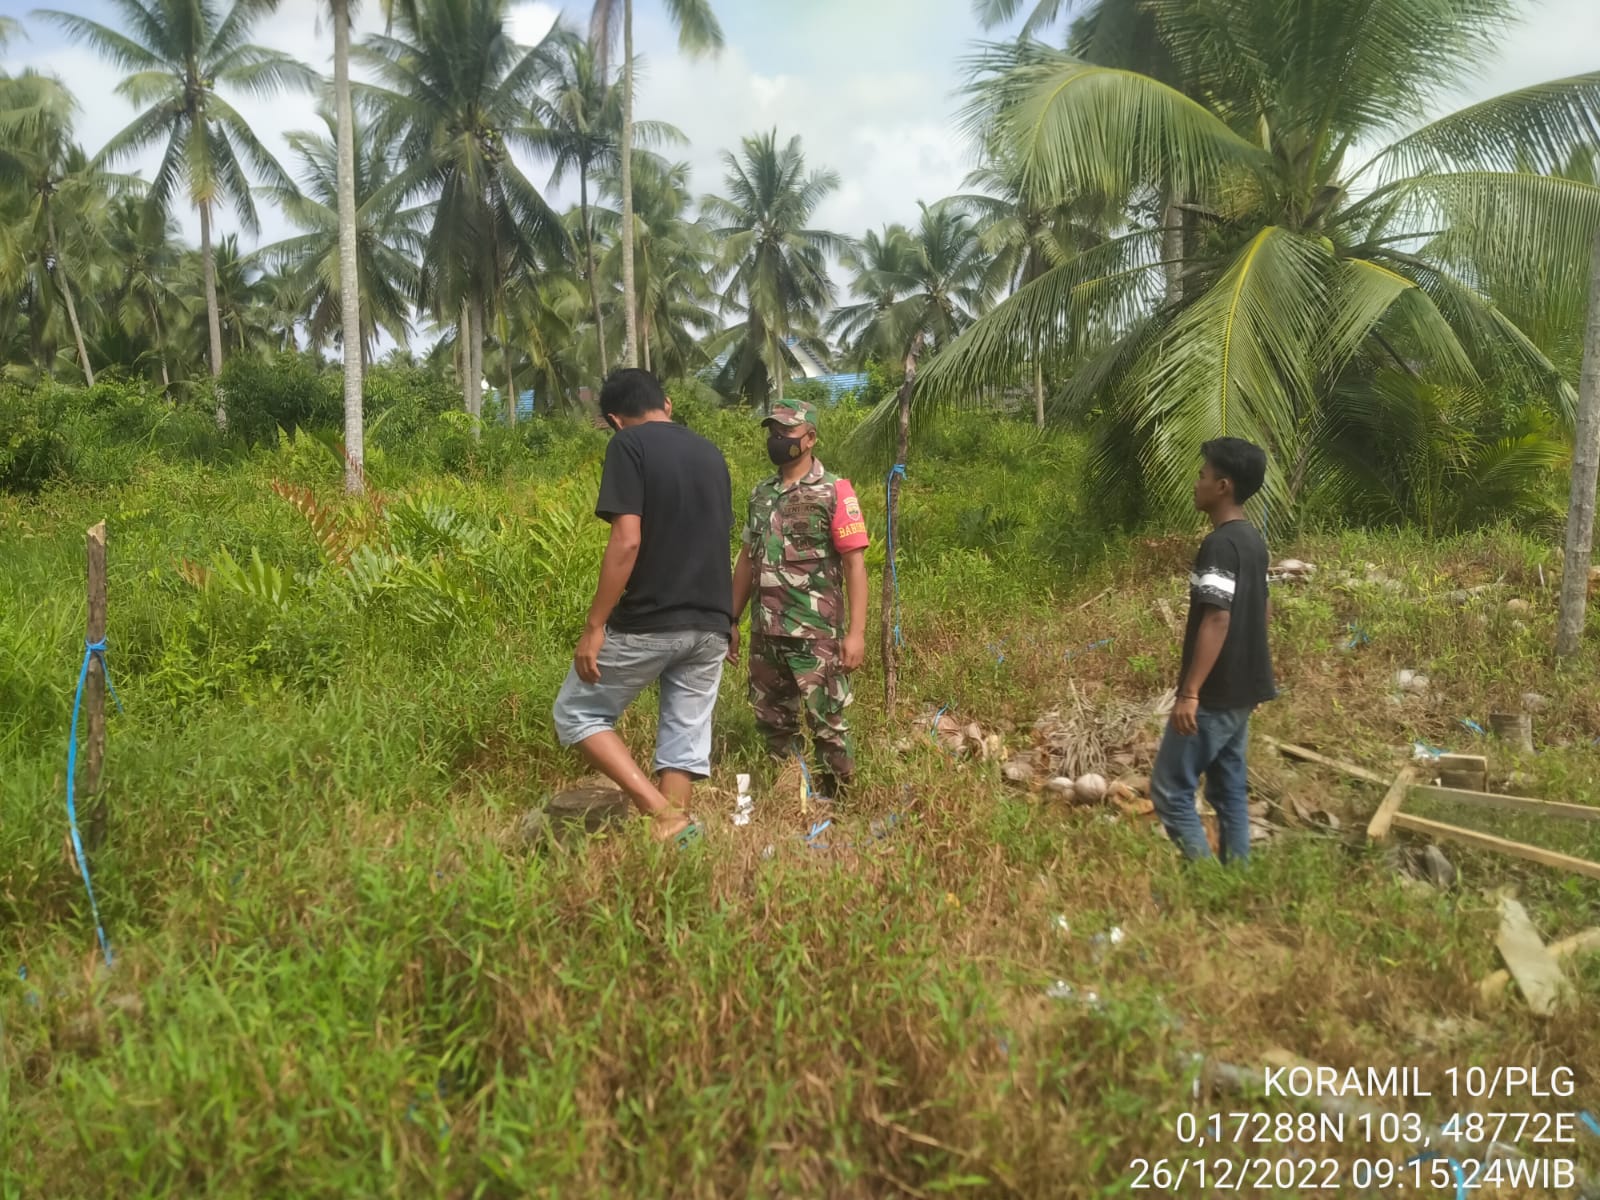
pixel 1521 804
pixel 1532 966
pixel 1290 750
pixel 1484 841
pixel 94 696
pixel 1389 809
pixel 1491 986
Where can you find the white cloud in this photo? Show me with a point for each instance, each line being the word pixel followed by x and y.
pixel 530 22
pixel 889 136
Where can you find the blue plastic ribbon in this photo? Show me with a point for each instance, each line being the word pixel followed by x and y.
pixel 894 574
pixel 876 832
pixel 1469 723
pixel 1092 646
pixel 1588 1119
pixel 1455 1167
pixel 90 650
pixel 806 775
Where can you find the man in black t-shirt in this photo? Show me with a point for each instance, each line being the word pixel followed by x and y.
pixel 663 607
pixel 1227 668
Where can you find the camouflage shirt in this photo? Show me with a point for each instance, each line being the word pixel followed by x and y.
pixel 797 535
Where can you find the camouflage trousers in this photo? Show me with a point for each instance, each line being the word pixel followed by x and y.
pixel 790 674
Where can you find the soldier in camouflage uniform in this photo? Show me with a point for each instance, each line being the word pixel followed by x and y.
pixel 804 560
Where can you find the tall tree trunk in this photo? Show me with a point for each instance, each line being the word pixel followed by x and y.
pixel 475 353
pixel 349 283
pixel 1585 469
pixel 1172 250
pixel 644 342
pixel 464 358
pixel 65 285
pixel 213 316
pixel 161 352
pixel 1038 390
pixel 781 368
pixel 902 446
pixel 588 250
pixel 505 353
pixel 630 346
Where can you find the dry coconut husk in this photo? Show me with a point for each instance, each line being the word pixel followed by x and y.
pixel 1078 739
pixel 961 741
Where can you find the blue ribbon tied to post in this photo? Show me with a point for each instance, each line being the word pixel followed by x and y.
pixel 91 650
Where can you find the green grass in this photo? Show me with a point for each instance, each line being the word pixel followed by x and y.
pixel 339 974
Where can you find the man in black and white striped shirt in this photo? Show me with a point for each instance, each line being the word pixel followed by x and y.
pixel 1227 668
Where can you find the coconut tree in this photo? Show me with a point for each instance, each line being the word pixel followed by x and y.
pixel 60 194
pixel 138 276
pixel 698 33
pixel 180 53
pixel 1026 237
pixel 350 310
pixel 1299 265
pixel 880 263
pixel 248 306
pixel 921 288
pixel 388 241
pixel 578 125
pixel 776 264
pixel 1579 544
pixel 454 96
pixel 674 259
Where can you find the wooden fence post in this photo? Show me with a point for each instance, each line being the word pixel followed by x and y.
pixel 95 691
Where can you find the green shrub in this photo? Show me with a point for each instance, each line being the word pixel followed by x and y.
pixel 287 391
pixel 32 448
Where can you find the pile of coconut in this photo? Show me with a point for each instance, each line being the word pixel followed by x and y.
pixel 1291 570
pixel 1093 753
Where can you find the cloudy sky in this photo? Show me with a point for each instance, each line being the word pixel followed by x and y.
pixel 867 84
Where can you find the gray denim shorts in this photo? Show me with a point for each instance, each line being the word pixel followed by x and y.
pixel 688 665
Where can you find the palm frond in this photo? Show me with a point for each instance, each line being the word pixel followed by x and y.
pixel 698 29
pixel 118 47
pixel 1535 129
pixel 262 73
pixel 1107 285
pixel 1075 128
pixel 1240 361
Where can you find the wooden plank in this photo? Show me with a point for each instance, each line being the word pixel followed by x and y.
pixel 1484 841
pixel 1531 965
pixel 1464 771
pixel 1389 809
pixel 1290 750
pixel 1521 804
pixel 1491 986
pixel 94 696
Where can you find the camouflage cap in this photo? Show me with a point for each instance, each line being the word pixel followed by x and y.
pixel 790 413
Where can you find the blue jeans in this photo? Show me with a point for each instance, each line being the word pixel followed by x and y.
pixel 1216 751
pixel 689 666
